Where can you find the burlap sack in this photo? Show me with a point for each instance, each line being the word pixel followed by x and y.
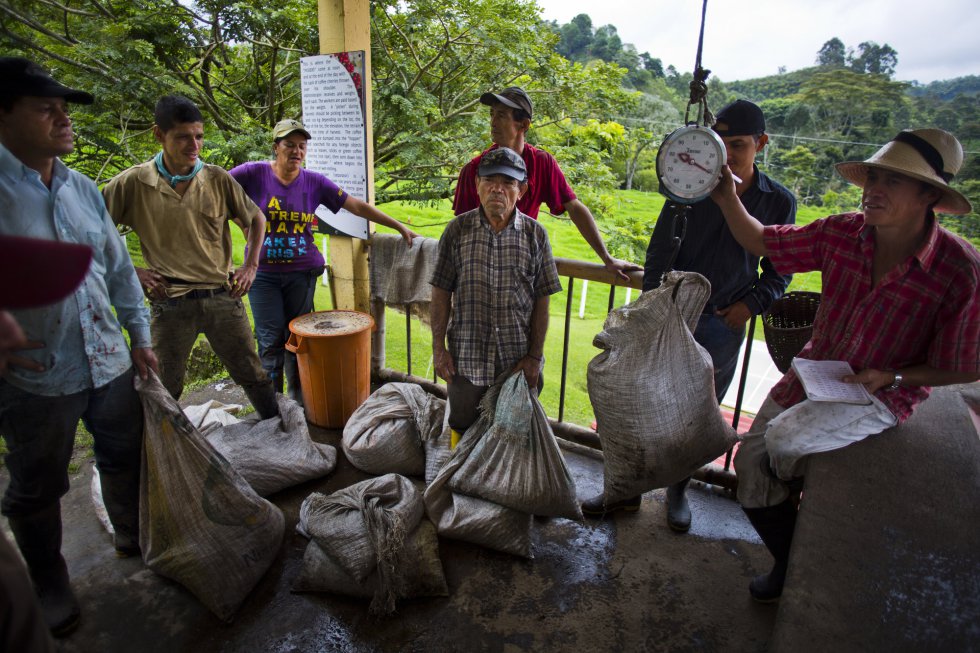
pixel 201 524
pixel 385 435
pixel 275 453
pixel 466 518
pixel 652 390
pixel 419 559
pixel 516 461
pixel 363 528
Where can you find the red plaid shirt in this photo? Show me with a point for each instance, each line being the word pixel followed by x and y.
pixel 925 311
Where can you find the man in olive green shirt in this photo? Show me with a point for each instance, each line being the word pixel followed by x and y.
pixel 181 208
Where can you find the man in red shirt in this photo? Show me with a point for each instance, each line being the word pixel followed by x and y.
pixel 899 303
pixel 510 119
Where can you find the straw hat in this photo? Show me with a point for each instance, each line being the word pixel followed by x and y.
pixel 929 155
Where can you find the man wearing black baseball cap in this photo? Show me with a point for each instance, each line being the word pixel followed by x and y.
pixel 495 273
pixel 510 119
pixel 80 366
pixel 738 291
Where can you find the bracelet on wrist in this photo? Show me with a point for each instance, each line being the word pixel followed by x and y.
pixel 534 358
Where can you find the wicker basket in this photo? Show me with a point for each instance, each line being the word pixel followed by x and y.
pixel 788 324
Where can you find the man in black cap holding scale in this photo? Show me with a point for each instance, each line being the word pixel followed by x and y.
pixel 738 291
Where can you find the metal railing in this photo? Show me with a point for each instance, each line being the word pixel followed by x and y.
pixel 572 270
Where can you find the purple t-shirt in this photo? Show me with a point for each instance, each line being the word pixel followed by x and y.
pixel 289 245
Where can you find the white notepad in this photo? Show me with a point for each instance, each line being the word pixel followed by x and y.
pixel 822 381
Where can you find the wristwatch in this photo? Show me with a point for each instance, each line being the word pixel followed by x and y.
pixel 897 383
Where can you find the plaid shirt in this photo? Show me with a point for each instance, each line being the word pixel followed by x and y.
pixel 495 280
pixel 925 311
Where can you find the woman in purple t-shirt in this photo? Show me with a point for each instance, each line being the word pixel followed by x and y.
pixel 290 263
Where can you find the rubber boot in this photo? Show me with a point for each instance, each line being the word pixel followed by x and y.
pixel 38 536
pixel 598 507
pixel 293 386
pixel 263 398
pixel 121 497
pixel 678 510
pixel 775 525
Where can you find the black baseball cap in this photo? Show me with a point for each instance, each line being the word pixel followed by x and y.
pixel 39 272
pixel 20 77
pixel 502 161
pixel 512 96
pixel 740 118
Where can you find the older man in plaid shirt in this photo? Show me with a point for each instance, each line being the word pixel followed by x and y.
pixel 494 276
pixel 899 304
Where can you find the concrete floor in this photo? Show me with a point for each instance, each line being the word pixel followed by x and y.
pixel 626 584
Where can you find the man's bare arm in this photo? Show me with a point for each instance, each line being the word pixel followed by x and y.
pixel 439 315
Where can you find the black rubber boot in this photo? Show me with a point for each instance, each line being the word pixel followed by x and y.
pixel 121 497
pixel 597 506
pixel 678 510
pixel 292 379
pixel 263 398
pixel 38 536
pixel 775 525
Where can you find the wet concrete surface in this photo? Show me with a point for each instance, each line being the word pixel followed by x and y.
pixel 622 584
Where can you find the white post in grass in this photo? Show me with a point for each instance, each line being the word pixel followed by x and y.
pixel 581 304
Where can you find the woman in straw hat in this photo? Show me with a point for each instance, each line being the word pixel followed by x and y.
pixel 290 262
pixel 899 303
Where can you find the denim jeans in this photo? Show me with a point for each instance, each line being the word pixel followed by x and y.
pixel 276 299
pixel 723 345
pixel 40 435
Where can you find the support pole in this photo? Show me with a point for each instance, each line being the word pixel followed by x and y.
pixel 346 25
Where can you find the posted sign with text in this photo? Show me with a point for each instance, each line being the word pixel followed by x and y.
pixel 334 114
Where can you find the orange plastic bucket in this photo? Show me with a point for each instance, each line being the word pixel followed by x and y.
pixel 333 353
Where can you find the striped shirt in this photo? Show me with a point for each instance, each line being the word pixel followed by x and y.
pixel 924 311
pixel 495 279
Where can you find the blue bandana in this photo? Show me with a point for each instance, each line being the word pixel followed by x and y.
pixel 173 180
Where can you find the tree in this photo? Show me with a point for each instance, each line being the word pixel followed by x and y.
pixel 850 104
pixel 874 59
pixel 238 62
pixel 432 61
pixel 796 170
pixel 655 66
pixel 606 44
pixel 645 127
pixel 576 38
pixel 832 53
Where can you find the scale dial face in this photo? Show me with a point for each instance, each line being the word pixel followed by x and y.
pixel 689 163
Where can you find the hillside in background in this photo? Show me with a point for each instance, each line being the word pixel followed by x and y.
pixel 948 89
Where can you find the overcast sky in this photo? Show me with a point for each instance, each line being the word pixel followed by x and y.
pixel 935 39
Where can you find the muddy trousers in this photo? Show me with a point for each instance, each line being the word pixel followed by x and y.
pixel 175 325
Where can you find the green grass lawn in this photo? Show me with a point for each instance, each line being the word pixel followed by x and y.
pixel 566 242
